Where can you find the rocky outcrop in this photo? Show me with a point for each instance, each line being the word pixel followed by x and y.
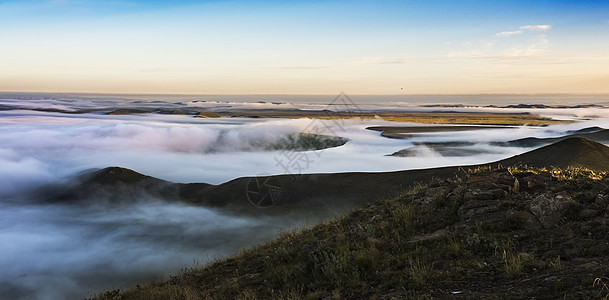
pixel 549 209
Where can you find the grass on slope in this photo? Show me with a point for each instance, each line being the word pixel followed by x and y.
pixel 480 236
pixel 574 151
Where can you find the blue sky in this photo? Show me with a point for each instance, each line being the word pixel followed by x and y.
pixel 305 47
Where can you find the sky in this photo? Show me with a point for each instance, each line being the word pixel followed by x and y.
pixel 304 47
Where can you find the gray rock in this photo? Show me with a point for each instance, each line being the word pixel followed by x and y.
pixel 549 209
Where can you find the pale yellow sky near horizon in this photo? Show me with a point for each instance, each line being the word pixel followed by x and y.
pixel 412 78
pixel 280 49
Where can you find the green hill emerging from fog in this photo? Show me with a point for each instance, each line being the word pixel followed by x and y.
pixel 571 152
pixel 486 232
pixel 329 194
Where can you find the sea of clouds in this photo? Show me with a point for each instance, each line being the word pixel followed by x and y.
pixel 61 251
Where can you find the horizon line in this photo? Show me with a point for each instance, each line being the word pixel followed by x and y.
pixel 313 94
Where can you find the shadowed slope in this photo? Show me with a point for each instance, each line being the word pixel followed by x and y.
pixel 570 152
pixel 592 133
pixel 113 175
pixel 346 190
pixel 110 185
pixel 331 194
pixel 472 237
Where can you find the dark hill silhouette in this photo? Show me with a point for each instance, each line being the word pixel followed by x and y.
pixel 127 111
pixel 113 185
pixel 331 194
pixel 570 152
pixel 321 194
pixel 586 130
pixel 113 175
pixel 592 133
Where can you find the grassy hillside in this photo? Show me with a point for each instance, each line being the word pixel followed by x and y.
pixel 503 233
pixel 573 151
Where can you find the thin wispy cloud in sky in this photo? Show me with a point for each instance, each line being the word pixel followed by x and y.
pixel 508 33
pixel 401 59
pixel 536 27
pixel 404 58
pixel 303 67
pixel 522 29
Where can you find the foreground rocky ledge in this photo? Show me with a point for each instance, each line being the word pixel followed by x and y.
pixel 515 232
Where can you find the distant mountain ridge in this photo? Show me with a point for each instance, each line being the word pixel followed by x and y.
pixel 113 175
pixel 592 133
pixel 569 152
pixel 317 193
